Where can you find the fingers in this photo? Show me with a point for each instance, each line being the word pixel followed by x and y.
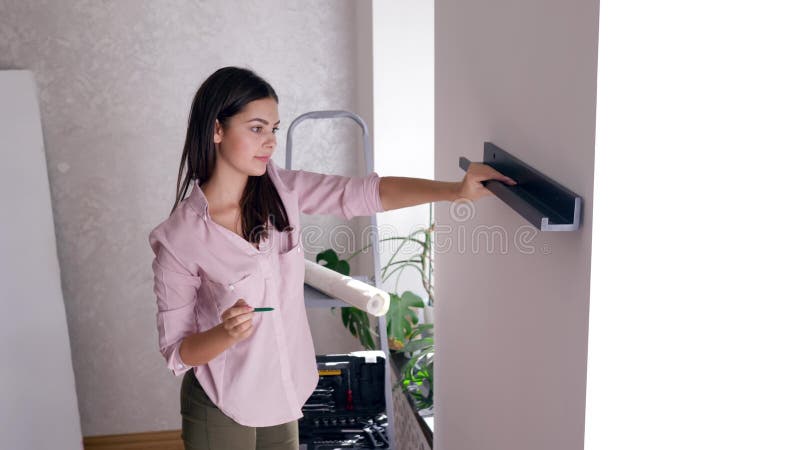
pixel 233 322
pixel 486 172
pixel 238 330
pixel 237 321
pixel 241 331
pixel 495 175
pixel 238 308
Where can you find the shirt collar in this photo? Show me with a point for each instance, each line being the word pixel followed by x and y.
pixel 197 200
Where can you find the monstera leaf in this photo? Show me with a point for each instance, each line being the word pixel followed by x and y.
pixel 357 321
pixel 333 262
pixel 401 319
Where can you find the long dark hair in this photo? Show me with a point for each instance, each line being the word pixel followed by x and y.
pixel 222 95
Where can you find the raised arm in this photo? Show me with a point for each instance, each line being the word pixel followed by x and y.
pixel 347 197
pixel 400 192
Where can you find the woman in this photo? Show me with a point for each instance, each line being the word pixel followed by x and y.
pixel 246 374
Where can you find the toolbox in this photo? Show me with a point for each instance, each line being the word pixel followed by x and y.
pixel 348 407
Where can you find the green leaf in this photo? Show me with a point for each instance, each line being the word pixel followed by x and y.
pixel 343 267
pixel 418 344
pixel 332 261
pixel 401 318
pixel 423 329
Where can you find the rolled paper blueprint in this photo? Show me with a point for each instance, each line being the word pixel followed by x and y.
pixel 357 293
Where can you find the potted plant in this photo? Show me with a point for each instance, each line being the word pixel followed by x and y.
pixel 405 334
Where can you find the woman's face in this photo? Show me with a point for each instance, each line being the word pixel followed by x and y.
pixel 249 140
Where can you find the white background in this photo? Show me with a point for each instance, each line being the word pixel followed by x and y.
pixel 693 331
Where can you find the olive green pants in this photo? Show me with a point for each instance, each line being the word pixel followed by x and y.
pixel 205 427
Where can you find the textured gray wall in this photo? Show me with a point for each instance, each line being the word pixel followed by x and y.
pixel 116 81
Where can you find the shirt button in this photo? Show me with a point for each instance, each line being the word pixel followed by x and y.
pixel 230 287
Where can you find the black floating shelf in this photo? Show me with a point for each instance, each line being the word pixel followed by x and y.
pixel 542 201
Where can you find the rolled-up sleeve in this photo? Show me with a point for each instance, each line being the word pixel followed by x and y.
pixel 339 195
pixel 175 288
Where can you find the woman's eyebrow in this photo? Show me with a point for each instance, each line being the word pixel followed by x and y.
pixel 258 119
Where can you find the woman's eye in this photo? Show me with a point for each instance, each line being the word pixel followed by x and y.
pixel 258 128
pixel 275 130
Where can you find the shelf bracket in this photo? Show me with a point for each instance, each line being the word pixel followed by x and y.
pixel 539 199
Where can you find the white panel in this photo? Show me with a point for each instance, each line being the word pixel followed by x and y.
pixel 38 403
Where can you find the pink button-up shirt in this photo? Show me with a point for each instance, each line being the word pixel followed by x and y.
pixel 201 268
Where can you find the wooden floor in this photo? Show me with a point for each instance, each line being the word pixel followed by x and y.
pixel 157 440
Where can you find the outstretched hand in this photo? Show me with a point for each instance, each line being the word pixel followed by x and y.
pixel 471 188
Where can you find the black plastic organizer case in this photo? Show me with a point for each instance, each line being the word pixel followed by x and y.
pixel 348 407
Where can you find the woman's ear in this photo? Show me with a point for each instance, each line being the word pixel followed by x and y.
pixel 217 132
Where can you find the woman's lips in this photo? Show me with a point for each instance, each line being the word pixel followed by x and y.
pixel 263 158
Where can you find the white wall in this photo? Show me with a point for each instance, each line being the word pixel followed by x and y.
pixel 37 384
pixel 694 325
pixel 116 82
pixel 403 99
pixel 512 325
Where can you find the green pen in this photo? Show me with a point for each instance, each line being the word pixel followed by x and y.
pixel 262 309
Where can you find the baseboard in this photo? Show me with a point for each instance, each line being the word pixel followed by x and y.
pixel 156 440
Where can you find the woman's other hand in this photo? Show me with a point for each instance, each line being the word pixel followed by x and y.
pixel 237 321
